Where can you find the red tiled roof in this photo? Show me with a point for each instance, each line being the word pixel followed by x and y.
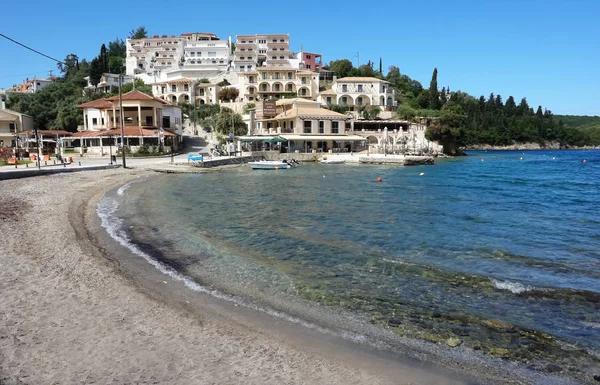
pixel 99 103
pixel 135 95
pixel 46 132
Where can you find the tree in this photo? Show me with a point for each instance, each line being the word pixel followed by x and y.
pixel 342 109
pixel 342 68
pixel 117 48
pixel 96 71
pixel 405 112
pixel 139 86
pixel 69 66
pixel 434 94
pixel 366 71
pixel 228 93
pixel 369 113
pixel 115 64
pixel 138 33
pixel 248 107
pixel 5 153
pixel 203 80
pixel 380 66
pixel 223 83
pixel 104 58
pixel 424 99
pixel 225 120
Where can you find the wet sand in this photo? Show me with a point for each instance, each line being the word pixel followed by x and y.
pixel 76 307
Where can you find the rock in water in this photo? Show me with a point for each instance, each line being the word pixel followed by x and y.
pixel 553 368
pixel 453 342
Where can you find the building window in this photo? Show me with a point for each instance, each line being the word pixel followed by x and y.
pixel 321 127
pixel 360 88
pixel 173 88
pixel 277 87
pixel 290 75
pixel 277 75
pixel 12 127
pixel 212 54
pixel 289 88
pixel 344 100
pixel 308 127
pixel 292 125
pixel 335 127
pixel 251 79
pixel 308 56
pixel 308 66
pixel 344 88
pixel 359 101
pixel 264 75
pixel 186 87
pixel 282 41
pixel 329 100
pixel 264 87
pixel 303 80
pixel 94 121
pixel 274 57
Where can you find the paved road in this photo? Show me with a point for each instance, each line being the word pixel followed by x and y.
pixel 192 145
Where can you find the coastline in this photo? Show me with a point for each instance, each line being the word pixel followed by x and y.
pixel 526 147
pixel 79 307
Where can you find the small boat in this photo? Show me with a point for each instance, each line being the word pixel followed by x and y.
pixel 273 164
pixel 332 161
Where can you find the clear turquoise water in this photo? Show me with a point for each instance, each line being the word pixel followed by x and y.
pixel 490 236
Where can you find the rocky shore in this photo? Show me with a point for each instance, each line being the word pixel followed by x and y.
pixel 526 146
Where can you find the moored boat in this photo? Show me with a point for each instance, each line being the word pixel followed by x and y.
pixel 273 164
pixel 332 161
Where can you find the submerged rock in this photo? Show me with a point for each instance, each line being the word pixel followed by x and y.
pixel 500 352
pixel 553 368
pixel 453 342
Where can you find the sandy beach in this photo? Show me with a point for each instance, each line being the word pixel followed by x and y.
pixel 77 308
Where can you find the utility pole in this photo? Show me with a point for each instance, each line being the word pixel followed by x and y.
pixel 121 118
pixel 37 142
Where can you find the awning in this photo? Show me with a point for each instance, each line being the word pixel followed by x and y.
pixel 339 138
pixel 266 139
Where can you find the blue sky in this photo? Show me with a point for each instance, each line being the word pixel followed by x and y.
pixel 547 51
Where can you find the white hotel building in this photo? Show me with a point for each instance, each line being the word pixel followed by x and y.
pixel 358 92
pixel 191 55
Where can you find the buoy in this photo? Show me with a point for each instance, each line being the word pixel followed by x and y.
pixel 553 158
pixel 421 174
pixel 323 176
pixel 584 161
pixel 482 159
pixel 379 180
pixel 521 158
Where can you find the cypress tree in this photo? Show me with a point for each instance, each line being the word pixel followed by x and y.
pixel 104 58
pixel 434 94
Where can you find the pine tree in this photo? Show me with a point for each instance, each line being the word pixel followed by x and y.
pixel 443 96
pixel 380 66
pixel 434 94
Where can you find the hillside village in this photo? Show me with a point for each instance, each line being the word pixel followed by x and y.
pixel 254 88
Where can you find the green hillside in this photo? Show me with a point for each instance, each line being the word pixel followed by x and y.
pixel 589 124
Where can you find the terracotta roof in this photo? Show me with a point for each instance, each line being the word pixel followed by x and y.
pixel 306 72
pixel 352 79
pixel 47 132
pixel 302 112
pixel 282 102
pixel 98 103
pixel 135 95
pixel 129 131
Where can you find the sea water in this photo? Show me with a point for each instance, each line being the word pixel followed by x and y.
pixel 500 250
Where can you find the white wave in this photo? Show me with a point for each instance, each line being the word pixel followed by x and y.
pixel 124 188
pixel 513 287
pixel 106 210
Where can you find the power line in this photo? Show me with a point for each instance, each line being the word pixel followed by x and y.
pixel 31 49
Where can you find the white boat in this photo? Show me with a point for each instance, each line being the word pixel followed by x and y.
pixel 332 161
pixel 272 164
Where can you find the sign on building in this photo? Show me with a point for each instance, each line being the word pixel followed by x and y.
pixel 269 107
